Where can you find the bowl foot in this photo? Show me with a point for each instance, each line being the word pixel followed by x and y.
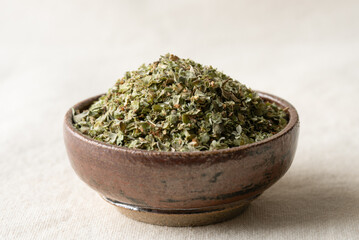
pixel 179 218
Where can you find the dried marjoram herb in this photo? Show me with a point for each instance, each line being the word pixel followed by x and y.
pixel 177 104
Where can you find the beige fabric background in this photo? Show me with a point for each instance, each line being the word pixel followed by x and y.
pixel 56 53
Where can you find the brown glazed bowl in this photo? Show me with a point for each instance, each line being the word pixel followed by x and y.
pixel 182 188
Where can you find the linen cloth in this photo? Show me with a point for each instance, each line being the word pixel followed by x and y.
pixel 54 54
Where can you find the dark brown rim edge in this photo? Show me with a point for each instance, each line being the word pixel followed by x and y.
pixel 293 120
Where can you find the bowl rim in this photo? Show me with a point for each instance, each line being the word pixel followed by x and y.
pixel 290 110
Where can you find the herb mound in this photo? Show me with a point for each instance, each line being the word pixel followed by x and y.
pixel 177 104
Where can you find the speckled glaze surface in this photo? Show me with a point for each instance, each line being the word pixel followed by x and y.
pixel 162 187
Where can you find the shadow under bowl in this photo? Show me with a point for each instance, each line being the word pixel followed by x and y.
pixel 182 188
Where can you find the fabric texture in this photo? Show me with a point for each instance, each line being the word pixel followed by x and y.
pixel 54 54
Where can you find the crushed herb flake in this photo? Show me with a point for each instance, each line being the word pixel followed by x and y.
pixel 177 104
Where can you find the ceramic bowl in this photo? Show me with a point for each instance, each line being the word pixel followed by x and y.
pixel 182 188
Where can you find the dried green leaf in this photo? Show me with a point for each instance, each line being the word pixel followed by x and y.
pixel 177 104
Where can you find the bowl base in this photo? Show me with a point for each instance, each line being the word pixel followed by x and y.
pixel 179 218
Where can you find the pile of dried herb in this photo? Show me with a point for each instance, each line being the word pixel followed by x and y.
pixel 177 104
